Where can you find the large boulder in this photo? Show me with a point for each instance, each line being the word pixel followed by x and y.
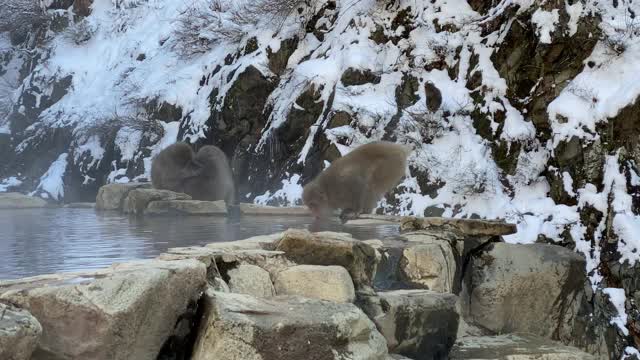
pixel 331 283
pixel 237 326
pixel 19 333
pixel 420 324
pixel 329 248
pixel 126 311
pixel 137 200
pixel 524 288
pixel 250 280
pixel 111 196
pixel 514 346
pixel 20 201
pixel 186 207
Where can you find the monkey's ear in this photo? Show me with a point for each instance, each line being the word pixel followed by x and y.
pixel 192 169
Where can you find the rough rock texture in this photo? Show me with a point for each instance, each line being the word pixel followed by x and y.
pixel 535 289
pixel 19 333
pixel 420 324
pixel 469 227
pixel 137 200
pixel 239 326
pixel 100 315
pixel 329 248
pixel 331 283
pixel 186 207
pixel 20 201
pixel 251 280
pixel 429 266
pixel 111 196
pixel 514 346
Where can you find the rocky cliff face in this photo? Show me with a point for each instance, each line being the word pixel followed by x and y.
pixel 516 109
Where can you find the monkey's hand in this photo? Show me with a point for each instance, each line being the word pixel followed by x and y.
pixel 348 214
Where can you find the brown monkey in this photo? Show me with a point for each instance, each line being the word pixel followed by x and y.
pixel 357 181
pixel 205 175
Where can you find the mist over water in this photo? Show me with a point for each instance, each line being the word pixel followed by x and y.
pixel 41 241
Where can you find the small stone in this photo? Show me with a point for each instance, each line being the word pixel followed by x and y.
pixel 331 283
pixel 111 196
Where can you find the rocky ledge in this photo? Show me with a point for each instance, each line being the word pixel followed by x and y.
pixel 442 289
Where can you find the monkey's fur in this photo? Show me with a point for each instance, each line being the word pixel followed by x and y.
pixel 205 175
pixel 357 181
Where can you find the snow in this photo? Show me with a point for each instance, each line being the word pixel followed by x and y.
pixel 618 298
pixel 51 183
pixel 289 194
pixel 9 182
pixel 546 22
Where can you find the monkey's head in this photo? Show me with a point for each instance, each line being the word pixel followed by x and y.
pixel 314 196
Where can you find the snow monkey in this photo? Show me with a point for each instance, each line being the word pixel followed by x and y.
pixel 357 181
pixel 205 175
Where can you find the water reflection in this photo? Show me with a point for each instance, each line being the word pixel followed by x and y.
pixel 40 241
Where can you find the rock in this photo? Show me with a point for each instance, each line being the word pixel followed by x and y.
pixel 434 96
pixel 329 248
pixel 524 288
pixel 253 209
pixel 362 222
pixel 237 326
pixel 470 227
pixel 429 266
pixel 20 201
pixel 19 333
pixel 250 280
pixel 353 76
pixel 420 324
pixel 514 346
pixel 252 243
pixel 137 200
pixel 187 207
pixel 126 311
pixel 111 196
pixel 331 283
pixel 80 205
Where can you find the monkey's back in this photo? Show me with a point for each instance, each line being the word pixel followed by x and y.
pixel 166 166
pixel 373 169
pixel 216 182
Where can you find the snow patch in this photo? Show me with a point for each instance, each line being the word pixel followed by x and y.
pixel 618 298
pixel 51 183
pixel 546 22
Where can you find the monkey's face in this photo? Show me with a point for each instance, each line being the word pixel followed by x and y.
pixel 316 200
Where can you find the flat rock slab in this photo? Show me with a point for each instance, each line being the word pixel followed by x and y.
pixel 363 222
pixel 80 205
pixel 514 347
pixel 19 333
pixel 126 311
pixel 253 209
pixel 186 207
pixel 20 201
pixel 111 196
pixel 137 200
pixel 331 283
pixel 329 248
pixel 237 326
pixel 469 227
pixel 420 324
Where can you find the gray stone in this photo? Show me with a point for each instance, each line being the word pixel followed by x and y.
pixel 421 324
pixel 80 205
pixel 524 288
pixel 329 248
pixel 469 227
pixel 429 266
pixel 126 311
pixel 253 209
pixel 514 347
pixel 250 280
pixel 20 201
pixel 111 196
pixel 237 326
pixel 331 283
pixel 137 200
pixel 186 207
pixel 19 333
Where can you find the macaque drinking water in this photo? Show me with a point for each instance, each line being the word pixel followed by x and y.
pixel 357 181
pixel 205 175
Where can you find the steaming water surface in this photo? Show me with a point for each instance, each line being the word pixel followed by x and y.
pixel 42 241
